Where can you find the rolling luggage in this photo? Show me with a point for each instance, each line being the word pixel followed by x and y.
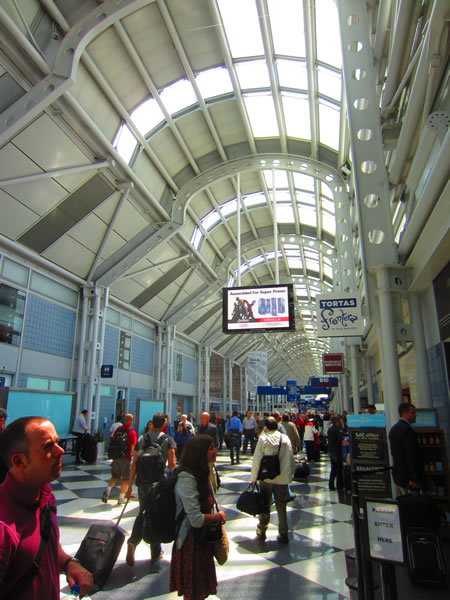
pixel 88 448
pixel 301 472
pixel 101 547
pixel 424 558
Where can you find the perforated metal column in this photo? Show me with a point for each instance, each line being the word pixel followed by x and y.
pixel 167 338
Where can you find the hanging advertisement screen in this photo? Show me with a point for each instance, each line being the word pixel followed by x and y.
pixel 258 309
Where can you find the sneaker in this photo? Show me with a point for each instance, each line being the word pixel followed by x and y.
pixel 157 557
pixel 120 500
pixel 105 496
pixel 283 539
pixel 130 554
pixel 291 497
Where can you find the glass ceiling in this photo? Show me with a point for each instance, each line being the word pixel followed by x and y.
pixel 287 64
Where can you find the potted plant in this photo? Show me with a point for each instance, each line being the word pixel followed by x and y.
pixel 99 438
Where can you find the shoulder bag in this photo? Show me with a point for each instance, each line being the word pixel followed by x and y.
pixel 270 465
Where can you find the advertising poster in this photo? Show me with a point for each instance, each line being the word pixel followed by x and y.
pixel 338 315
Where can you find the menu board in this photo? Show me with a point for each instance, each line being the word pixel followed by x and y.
pixel 369 457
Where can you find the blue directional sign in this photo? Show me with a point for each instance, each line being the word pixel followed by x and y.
pixel 106 371
pixel 324 381
pixel 2 381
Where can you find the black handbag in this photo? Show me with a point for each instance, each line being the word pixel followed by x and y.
pixel 209 533
pixel 252 501
pixel 270 465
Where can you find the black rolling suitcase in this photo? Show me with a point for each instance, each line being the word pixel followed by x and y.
pixel 100 548
pixel 301 472
pixel 88 448
pixel 424 558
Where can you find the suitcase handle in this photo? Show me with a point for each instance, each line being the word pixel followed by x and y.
pixel 123 510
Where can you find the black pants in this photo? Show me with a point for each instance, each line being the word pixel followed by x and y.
pixel 336 473
pixel 309 450
pixel 234 440
pixel 78 445
pixel 249 436
pixel 138 525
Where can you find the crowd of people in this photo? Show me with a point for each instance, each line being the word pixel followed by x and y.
pixel 31 557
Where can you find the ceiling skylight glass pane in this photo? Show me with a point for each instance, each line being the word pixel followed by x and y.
pixel 281 179
pixel 214 82
pixel 241 23
pixel 305 198
pixel 255 261
pixel 261 112
pixel 229 207
pixel 285 213
pixel 327 205
pixel 296 113
pixel 147 116
pixel 292 252
pixel 327 33
pixel 196 238
pixel 304 182
pixel 329 223
pixel 288 30
pixel 292 74
pixel 178 95
pixel 307 216
pixel 254 199
pixel 252 74
pixel 125 143
pixel 328 271
pixel 325 190
pixel 329 83
pixel 329 124
pixel 210 220
pixel 295 263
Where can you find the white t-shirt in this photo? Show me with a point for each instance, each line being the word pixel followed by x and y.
pixel 113 428
pixel 80 425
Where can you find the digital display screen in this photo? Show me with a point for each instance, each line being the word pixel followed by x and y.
pixel 258 309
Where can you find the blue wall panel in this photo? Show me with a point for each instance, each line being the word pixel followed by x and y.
pixel 142 355
pixel 188 370
pixel 111 346
pixel 49 327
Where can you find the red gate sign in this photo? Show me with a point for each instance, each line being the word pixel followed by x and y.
pixel 332 363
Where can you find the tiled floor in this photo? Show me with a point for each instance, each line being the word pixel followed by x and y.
pixel 311 566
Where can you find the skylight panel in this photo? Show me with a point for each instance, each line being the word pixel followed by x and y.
pixel 241 24
pixel 214 82
pixel 256 260
pixel 288 29
pixel 285 213
pixel 306 199
pixel 229 207
pixel 329 223
pixel 178 95
pixel 304 182
pixel 281 179
pixel 261 113
pixel 296 114
pixel 329 83
pixel 292 246
pixel 147 116
pixel 307 216
pixel 292 252
pixel 125 143
pixel 325 190
pixel 210 220
pixel 295 263
pixel 196 237
pixel 327 205
pixel 328 271
pixel 327 33
pixel 252 74
pixel 329 124
pixel 254 199
pixel 292 74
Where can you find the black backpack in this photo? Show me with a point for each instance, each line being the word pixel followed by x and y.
pixel 160 522
pixel 150 464
pixel 118 445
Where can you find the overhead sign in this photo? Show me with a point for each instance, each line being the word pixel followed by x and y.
pixel 332 363
pixel 323 381
pixel 106 371
pixel 338 315
pixel 291 390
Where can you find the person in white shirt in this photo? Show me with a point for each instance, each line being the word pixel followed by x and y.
pixel 115 425
pixel 249 431
pixel 188 425
pixel 80 427
pixel 272 442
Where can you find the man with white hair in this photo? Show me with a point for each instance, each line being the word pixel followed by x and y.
pixel 188 425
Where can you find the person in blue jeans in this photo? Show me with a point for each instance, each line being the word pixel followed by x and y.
pixel 233 429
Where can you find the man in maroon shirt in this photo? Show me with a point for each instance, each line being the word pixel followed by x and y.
pixel 29 446
pixel 120 467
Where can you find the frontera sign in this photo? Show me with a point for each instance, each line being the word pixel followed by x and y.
pixel 338 315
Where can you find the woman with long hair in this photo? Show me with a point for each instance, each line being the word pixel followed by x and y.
pixel 192 570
